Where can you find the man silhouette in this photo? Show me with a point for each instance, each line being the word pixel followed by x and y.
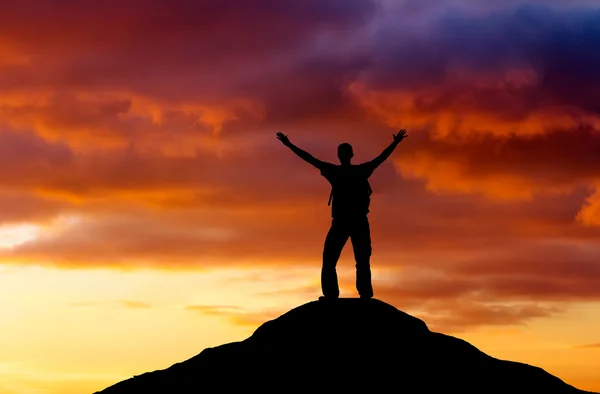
pixel 351 198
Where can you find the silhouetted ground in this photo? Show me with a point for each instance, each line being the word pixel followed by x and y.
pixel 348 344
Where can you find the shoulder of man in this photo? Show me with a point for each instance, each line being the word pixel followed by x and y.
pixel 327 167
pixel 366 168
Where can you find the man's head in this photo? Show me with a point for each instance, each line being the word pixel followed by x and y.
pixel 345 153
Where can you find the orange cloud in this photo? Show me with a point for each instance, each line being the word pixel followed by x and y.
pixel 589 215
pixel 236 315
pixel 588 346
pixel 152 144
pixel 136 304
pixel 514 168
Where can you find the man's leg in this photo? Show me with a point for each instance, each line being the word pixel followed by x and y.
pixel 361 243
pixel 334 243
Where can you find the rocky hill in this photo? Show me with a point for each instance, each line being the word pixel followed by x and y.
pixel 347 344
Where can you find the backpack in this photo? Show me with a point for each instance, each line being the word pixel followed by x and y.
pixel 365 189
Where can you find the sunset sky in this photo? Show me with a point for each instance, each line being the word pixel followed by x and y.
pixel 149 212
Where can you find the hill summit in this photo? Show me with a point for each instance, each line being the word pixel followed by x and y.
pixel 345 344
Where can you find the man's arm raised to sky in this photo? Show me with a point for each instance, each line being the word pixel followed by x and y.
pixel 376 162
pixel 302 154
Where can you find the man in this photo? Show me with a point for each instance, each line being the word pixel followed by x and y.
pixel 351 198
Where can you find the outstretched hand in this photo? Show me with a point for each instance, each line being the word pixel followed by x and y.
pixel 400 136
pixel 283 138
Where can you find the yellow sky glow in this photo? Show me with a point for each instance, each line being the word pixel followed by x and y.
pixel 67 331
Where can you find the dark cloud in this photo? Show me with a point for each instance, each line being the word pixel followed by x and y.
pixel 152 129
pixel 159 47
pixel 25 207
pixel 556 46
pixel 20 150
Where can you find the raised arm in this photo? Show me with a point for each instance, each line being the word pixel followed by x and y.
pixel 376 162
pixel 302 154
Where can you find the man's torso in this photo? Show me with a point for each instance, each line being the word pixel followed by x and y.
pixel 350 188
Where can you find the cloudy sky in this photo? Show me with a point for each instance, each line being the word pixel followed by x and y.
pixel 148 211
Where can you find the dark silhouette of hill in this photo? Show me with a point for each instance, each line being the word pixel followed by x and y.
pixel 346 344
